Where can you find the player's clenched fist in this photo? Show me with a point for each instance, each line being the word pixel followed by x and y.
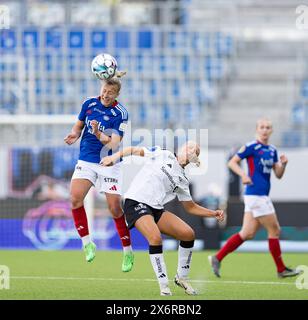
pixel 220 216
pixel 283 159
pixel 94 125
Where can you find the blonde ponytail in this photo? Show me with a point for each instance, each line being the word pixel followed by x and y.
pixel 120 74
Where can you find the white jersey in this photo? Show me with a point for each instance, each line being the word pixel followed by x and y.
pixel 160 180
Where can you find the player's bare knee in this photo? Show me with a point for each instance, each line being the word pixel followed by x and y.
pixel 188 235
pixel 274 232
pixel 155 239
pixel 76 202
pixel 247 235
pixel 115 210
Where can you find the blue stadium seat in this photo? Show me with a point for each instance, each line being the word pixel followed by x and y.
pixel 30 39
pixel 53 38
pixel 145 39
pixel 38 87
pixel 175 88
pixel 142 113
pixel 76 39
pixel 166 113
pixel 122 39
pixel 98 39
pixel 47 62
pixel 171 39
pixel 8 40
pixel 153 88
pixel 298 113
pixel 185 64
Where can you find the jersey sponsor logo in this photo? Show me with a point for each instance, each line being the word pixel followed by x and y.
pixel 92 104
pixel 140 206
pixel 107 179
pixel 123 126
pixel 99 111
pixel 106 118
pixel 258 146
pixel 267 165
pixel 90 130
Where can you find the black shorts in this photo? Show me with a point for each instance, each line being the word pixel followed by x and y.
pixel 133 210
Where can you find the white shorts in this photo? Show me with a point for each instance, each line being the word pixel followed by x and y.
pixel 105 179
pixel 258 205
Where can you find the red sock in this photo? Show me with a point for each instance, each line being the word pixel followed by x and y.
pixel 81 221
pixel 274 247
pixel 232 243
pixel 122 230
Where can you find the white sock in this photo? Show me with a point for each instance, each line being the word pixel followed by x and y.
pixel 159 266
pixel 127 249
pixel 86 240
pixel 184 260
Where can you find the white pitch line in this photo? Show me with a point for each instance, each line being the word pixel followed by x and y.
pixel 151 280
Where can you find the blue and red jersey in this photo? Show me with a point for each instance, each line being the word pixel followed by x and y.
pixel 260 159
pixel 110 120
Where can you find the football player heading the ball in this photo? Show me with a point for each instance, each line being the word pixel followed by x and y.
pixel 101 124
pixel 160 180
pixel 262 158
pixel 104 66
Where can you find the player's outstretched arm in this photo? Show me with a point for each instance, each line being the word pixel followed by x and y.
pixel 75 133
pixel 193 208
pixel 128 151
pixel 234 165
pixel 280 167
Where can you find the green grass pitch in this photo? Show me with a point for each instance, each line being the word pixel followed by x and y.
pixel 66 275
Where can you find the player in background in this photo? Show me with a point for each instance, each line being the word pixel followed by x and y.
pixel 103 121
pixel 160 180
pixel 259 210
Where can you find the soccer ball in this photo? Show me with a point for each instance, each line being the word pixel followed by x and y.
pixel 104 66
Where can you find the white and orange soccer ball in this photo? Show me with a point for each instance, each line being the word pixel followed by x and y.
pixel 104 66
